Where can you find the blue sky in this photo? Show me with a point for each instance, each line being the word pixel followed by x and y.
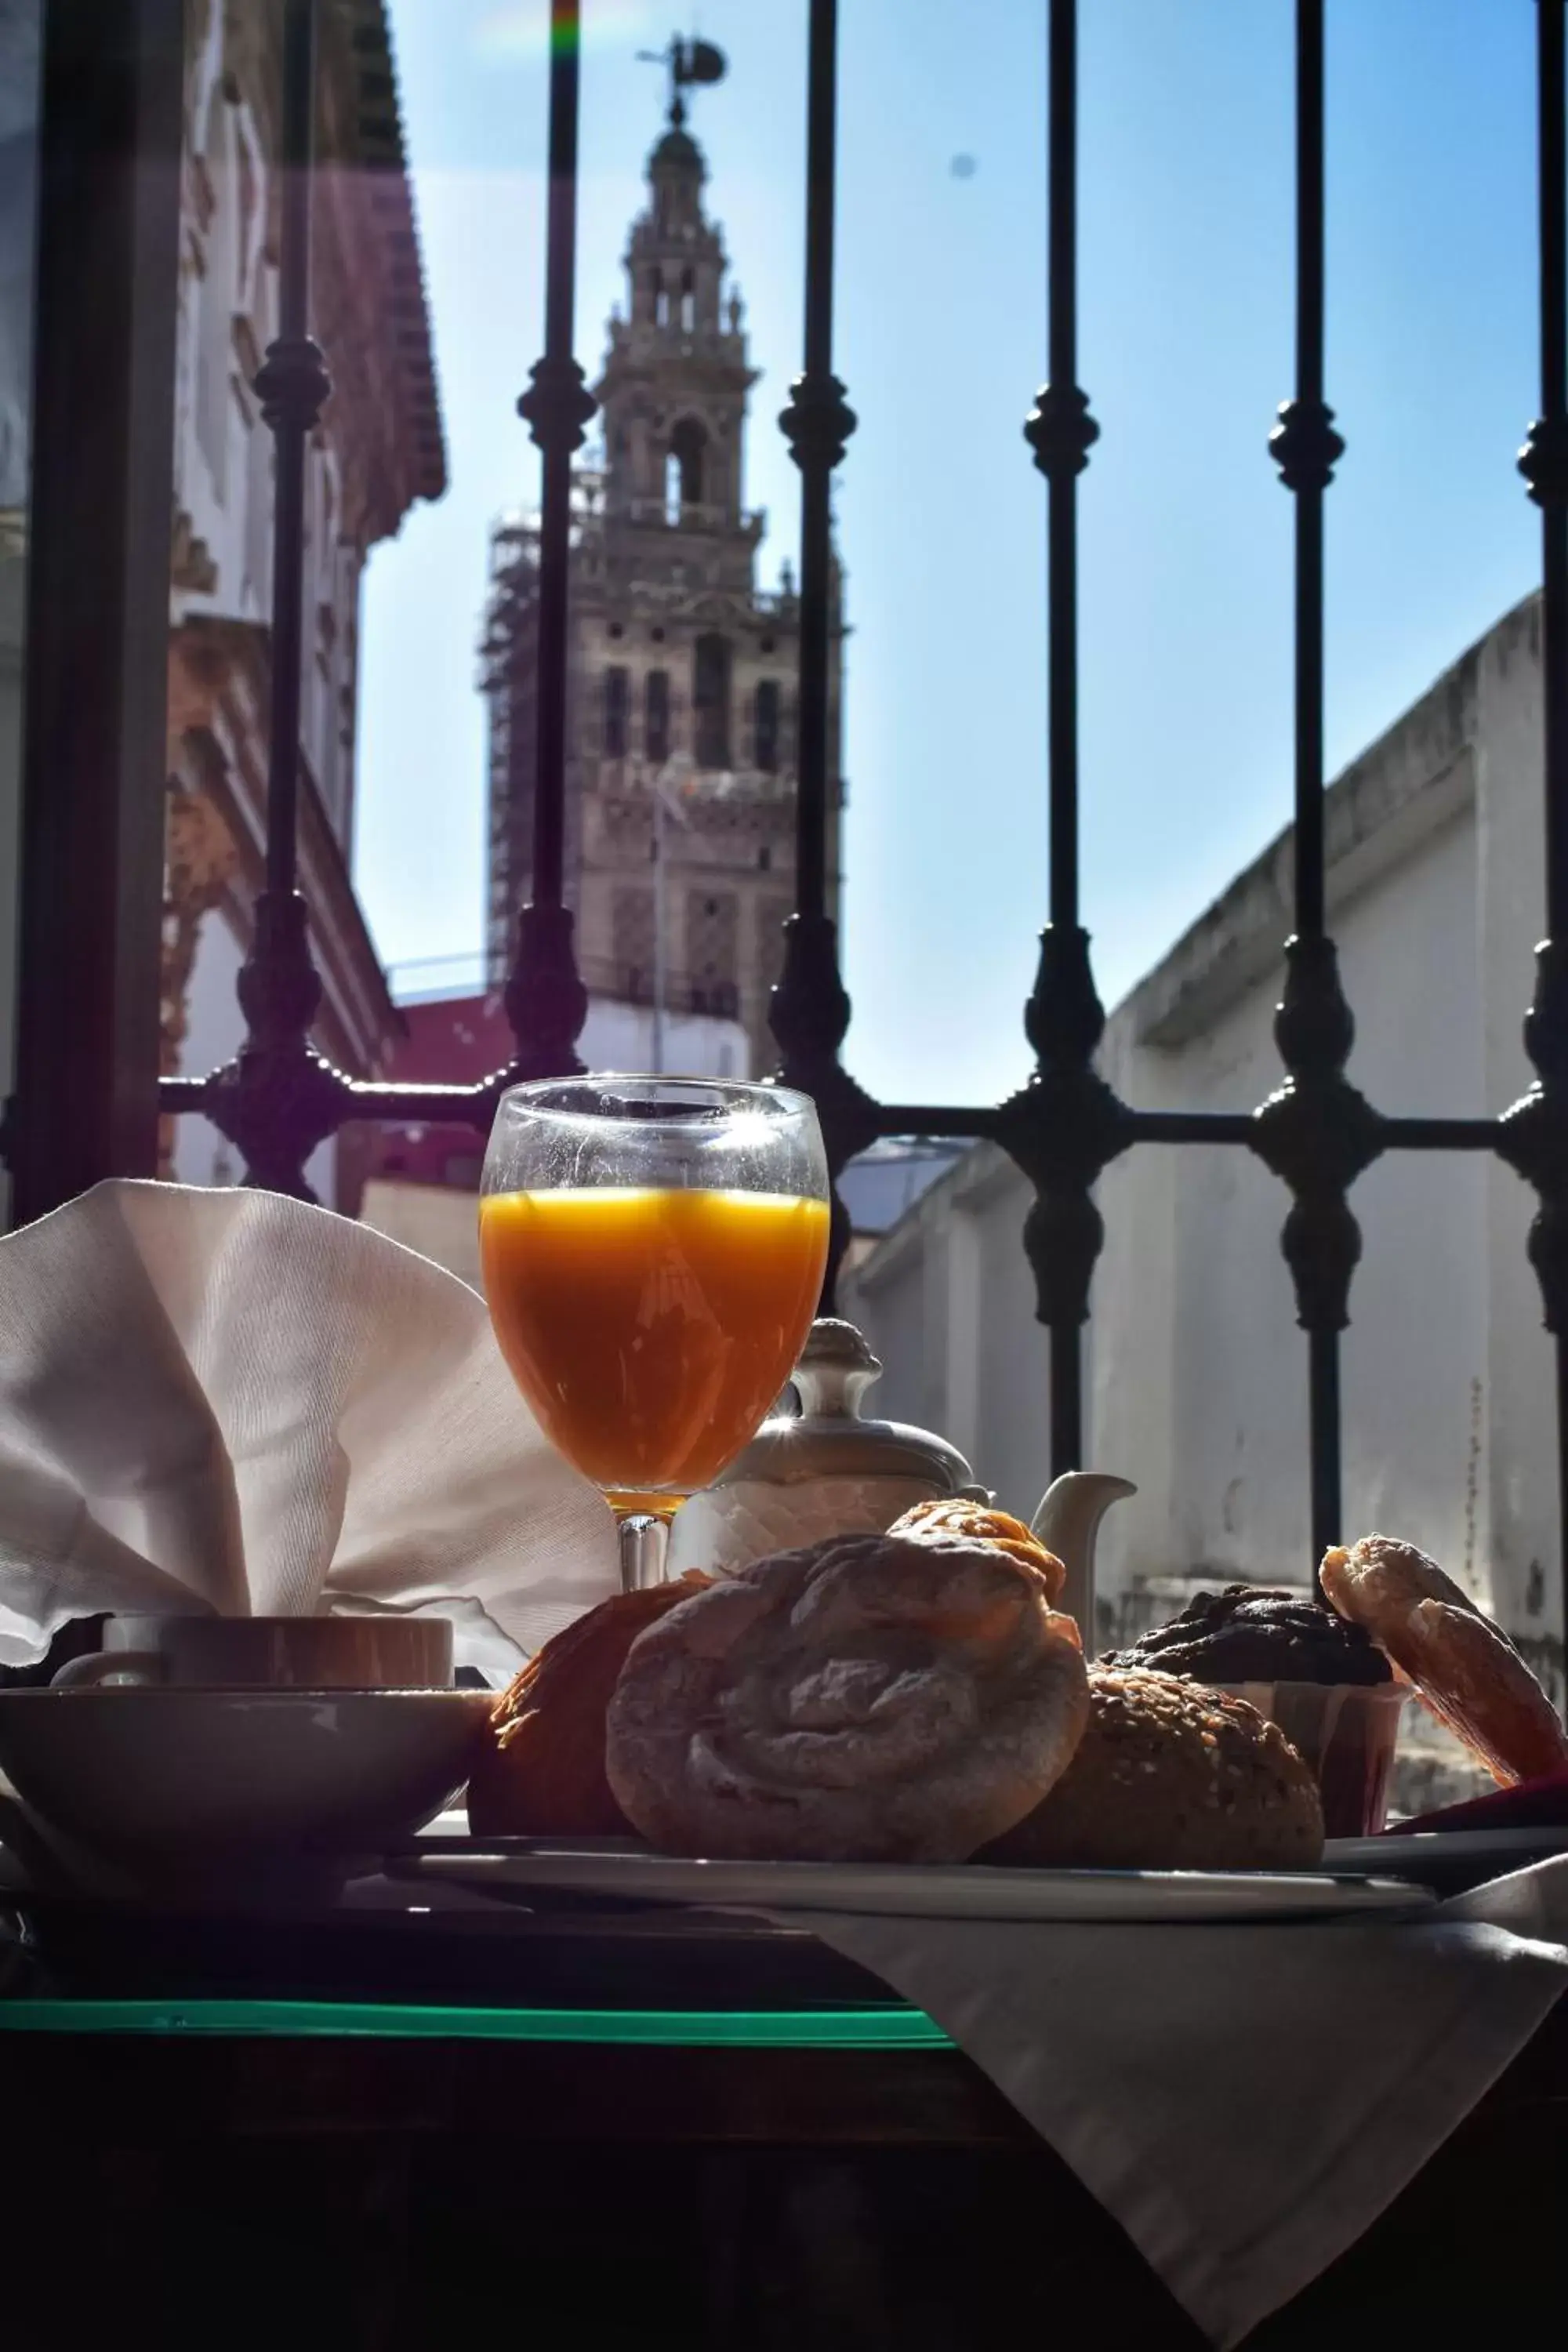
pixel 1186 351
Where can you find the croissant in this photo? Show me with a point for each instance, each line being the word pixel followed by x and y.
pixel 543 1772
pixel 1465 1668
pixel 932 1521
pixel 867 1698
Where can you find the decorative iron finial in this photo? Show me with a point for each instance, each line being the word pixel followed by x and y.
pixel 688 63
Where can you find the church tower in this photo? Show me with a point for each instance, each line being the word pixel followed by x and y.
pixel 681 777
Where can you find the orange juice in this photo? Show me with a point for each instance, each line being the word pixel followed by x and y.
pixel 651 1330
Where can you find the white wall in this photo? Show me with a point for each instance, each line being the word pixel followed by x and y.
pixel 947 1303
pixel 1196 1368
pixel 1202 1394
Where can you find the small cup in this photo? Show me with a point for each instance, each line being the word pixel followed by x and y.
pixel 1346 1733
pixel 380 1653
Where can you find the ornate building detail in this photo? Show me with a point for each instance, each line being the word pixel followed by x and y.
pixel 681 738
pixel 201 862
pixel 362 463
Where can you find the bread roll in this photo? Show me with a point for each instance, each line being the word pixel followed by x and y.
pixel 863 1699
pixel 1172 1775
pixel 1463 1665
pixel 543 1772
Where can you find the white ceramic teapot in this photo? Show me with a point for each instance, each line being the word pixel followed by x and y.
pixel 1067 1523
pixel 823 1470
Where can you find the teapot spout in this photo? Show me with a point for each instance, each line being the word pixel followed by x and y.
pixel 1067 1523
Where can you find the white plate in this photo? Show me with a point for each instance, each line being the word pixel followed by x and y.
pixel 947 1891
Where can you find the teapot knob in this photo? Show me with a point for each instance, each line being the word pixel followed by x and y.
pixel 835 1369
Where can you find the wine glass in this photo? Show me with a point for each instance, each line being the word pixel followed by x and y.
pixel 653 1253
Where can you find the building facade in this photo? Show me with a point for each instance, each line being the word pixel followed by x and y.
pixel 377 449
pixel 681 758
pixel 1197 1380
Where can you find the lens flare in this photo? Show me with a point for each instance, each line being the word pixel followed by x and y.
pixel 519 31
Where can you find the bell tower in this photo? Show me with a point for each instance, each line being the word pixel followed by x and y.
pixel 682 719
pixel 674 388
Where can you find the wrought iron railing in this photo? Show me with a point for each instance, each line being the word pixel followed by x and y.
pixel 1315 1132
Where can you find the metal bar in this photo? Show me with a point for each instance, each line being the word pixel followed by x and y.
pixel 1553 218
pixel 1067 1399
pixel 1062 493
pixel 280 1099
pixel 1309 775
pixel 1308 474
pixel 1065 1125
pixel 1441 1134
pixel 809 1012
pixel 1315 1132
pixel 1191 1127
pixel 1323 1358
pixel 943 1120
pixel 1546 1032
pixel 1533 1134
pixel 817 455
pixel 89 882
pixel 292 421
pixel 558 440
pixel 545 999
pixel 1324 1426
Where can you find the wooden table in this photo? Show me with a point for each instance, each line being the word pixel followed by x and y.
pixel 365 2191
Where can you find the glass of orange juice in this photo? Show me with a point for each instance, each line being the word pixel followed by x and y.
pixel 653 1252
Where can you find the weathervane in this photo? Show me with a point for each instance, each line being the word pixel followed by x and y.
pixel 689 62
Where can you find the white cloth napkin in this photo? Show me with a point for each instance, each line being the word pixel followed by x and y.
pixel 233 1399
pixel 1244 2099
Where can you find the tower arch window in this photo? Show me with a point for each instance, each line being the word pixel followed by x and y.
pixel 656 717
pixel 688 302
pixel 711 699
pixel 685 467
pixel 616 685
pixel 765 725
pixel 661 299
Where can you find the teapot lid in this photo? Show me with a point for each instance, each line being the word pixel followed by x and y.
pixel 827 1436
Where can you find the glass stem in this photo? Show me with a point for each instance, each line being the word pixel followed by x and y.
pixel 645 1542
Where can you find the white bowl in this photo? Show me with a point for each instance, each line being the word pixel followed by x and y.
pixel 178 1775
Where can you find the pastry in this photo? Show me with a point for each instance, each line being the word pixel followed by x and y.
pixel 1463 1667
pixel 1256 1634
pixel 924 1522
pixel 1170 1775
pixel 867 1698
pixel 543 1772
pixel 1324 1681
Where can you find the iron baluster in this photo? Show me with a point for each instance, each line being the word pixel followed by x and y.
pixel 280 1098
pixel 1064 1125
pixel 545 999
pixel 809 1011
pixel 1315 1132
pixel 1532 1135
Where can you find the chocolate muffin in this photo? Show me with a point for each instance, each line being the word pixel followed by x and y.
pixel 1252 1633
pixel 1321 1679
pixel 1170 1775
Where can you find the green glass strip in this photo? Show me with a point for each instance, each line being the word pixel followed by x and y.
pixel 872 2028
